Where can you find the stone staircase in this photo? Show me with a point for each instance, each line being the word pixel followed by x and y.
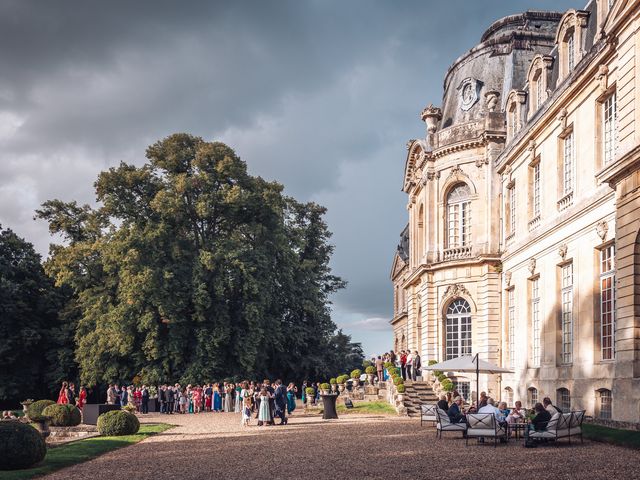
pixel 415 394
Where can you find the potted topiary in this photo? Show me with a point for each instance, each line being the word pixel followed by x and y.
pixel 311 395
pixel 334 385
pixel 400 389
pixel 341 380
pixel 398 380
pixel 355 376
pixel 25 405
pixel 35 414
pixel 324 388
pixel 370 371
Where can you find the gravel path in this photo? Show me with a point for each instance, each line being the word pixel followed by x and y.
pixel 355 446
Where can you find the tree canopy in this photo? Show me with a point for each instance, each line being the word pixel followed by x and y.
pixel 191 269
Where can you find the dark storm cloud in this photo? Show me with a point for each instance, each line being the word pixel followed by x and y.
pixel 320 95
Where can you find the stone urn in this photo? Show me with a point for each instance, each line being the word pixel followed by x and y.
pixel 334 388
pixel 355 382
pixel 42 425
pixel 25 406
pixel 341 388
pixel 370 378
pixel 400 397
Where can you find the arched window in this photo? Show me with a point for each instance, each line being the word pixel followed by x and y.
pixel 603 404
pixel 459 216
pixel 563 399
pixel 507 396
pixel 458 329
pixel 532 396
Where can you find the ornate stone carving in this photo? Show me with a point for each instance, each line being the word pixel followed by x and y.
pixel 456 172
pixel 532 149
pixel 532 265
pixel 455 290
pixel 433 175
pixel 491 98
pixel 563 118
pixel 469 89
pixel 431 116
pixel 507 278
pixel 482 161
pixel 603 78
pixel 562 251
pixel 602 228
pixel 410 143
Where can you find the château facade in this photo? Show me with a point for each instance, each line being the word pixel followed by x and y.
pixel 522 243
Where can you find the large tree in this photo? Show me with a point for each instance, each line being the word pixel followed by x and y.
pixel 36 350
pixel 192 269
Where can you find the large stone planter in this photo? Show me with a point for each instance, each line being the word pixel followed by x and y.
pixel 341 388
pixel 334 388
pixel 25 406
pixel 42 425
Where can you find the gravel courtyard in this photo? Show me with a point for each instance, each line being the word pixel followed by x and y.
pixel 355 446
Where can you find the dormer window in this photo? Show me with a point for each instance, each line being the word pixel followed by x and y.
pixel 514 113
pixel 569 39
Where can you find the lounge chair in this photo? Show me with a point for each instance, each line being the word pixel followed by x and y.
pixel 443 424
pixel 484 425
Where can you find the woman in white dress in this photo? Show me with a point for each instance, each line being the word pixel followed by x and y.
pixel 264 415
pixel 227 397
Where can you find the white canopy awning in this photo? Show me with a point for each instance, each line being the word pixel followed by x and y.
pixel 467 363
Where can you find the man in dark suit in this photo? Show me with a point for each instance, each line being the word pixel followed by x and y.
pixel 171 398
pixel 455 414
pixel 280 397
pixel 162 398
pixel 145 399
pixel 71 394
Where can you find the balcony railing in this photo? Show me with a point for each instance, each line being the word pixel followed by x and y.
pixel 565 202
pixel 457 253
pixel 509 238
pixel 534 222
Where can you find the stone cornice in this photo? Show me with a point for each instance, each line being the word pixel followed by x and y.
pixel 620 168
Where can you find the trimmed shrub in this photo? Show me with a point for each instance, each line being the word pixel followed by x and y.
pixel 388 364
pixel 129 407
pixel 34 411
pixel 342 379
pixel 400 388
pixel 310 391
pixel 325 386
pixel 60 415
pixel 21 446
pixel 355 374
pixel 370 370
pixel 332 381
pixel 398 381
pixel 118 422
pixel 366 363
pixel 432 362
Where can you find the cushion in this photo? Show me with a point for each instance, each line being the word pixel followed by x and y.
pixel 545 434
pixel 453 426
pixel 483 432
pixel 562 433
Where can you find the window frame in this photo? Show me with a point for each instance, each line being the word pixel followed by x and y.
pixel 535 322
pixel 456 347
pixel 566 311
pixel 458 218
pixel 608 276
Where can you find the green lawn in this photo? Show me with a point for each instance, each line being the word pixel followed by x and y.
pixel 623 438
pixel 379 408
pixel 81 451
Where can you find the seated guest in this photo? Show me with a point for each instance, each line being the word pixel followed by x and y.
pixel 540 421
pixel 517 414
pixel 491 408
pixel 550 407
pixel 455 411
pixel 443 404
pixel 483 400
pixel 502 406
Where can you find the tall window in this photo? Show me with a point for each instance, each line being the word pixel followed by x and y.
pixel 536 190
pixel 420 249
pixel 508 396
pixel 607 302
pixel 567 164
pixel 571 54
pixel 563 399
pixel 539 90
pixel 535 322
pixel 459 216
pixel 567 312
pixel 609 115
pixel 512 328
pixel 532 396
pixel 463 387
pixel 604 404
pixel 512 208
pixel 458 329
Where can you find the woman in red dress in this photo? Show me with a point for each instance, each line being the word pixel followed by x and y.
pixel 82 397
pixel 62 396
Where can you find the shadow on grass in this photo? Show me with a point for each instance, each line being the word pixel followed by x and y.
pixel 81 451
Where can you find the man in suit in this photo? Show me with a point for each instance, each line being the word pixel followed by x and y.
pixel 162 398
pixel 71 394
pixel 171 398
pixel 124 396
pixel 280 397
pixel 145 399
pixel 455 411
pixel 417 366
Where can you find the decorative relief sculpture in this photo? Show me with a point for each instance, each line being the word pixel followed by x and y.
pixel 469 89
pixel 455 290
pixel 602 228
pixel 532 265
pixel 507 278
pixel 562 251
pixel 603 78
pixel 492 97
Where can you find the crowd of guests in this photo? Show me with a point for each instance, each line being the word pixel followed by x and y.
pixel 69 396
pixel 262 399
pixel 537 420
pixel 408 362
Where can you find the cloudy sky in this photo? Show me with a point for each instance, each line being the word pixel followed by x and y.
pixel 321 95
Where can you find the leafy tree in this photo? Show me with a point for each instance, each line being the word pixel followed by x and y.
pixel 36 347
pixel 192 269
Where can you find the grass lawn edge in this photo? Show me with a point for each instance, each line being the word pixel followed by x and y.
pixel 613 436
pixel 80 451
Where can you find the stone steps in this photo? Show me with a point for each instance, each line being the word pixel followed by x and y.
pixel 417 393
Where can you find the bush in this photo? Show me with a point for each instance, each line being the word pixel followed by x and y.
pixel 432 362
pixel 21 446
pixel 332 381
pixel 366 364
pixel 325 386
pixel 388 364
pixel 356 374
pixel 34 411
pixel 118 422
pixel 398 381
pixel 63 415
pixel 310 391
pixel 342 379
pixel 370 370
pixel 129 407
pixel 400 388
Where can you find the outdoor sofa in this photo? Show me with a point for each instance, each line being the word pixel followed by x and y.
pixel 484 425
pixel 561 425
pixel 443 424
